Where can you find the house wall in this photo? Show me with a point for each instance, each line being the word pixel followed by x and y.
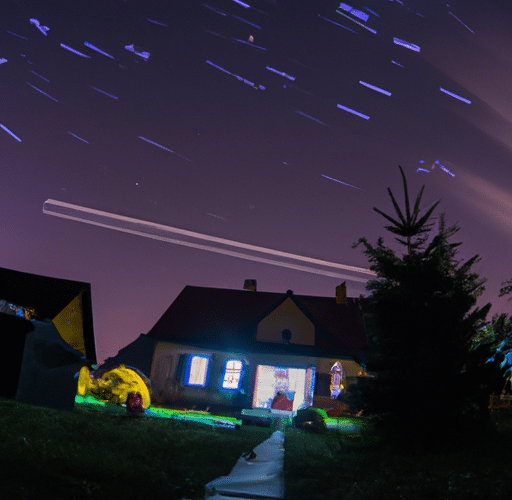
pixel 286 317
pixel 169 365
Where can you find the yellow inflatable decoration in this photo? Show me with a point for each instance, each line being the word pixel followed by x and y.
pixel 114 386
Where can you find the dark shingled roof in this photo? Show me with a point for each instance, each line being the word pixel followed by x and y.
pixel 227 319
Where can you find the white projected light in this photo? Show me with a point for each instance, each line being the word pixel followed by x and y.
pixel 164 233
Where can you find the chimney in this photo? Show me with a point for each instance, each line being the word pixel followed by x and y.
pixel 250 285
pixel 341 293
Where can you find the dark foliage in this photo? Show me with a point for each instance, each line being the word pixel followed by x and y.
pixel 421 318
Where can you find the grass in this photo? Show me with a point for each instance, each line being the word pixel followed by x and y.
pixel 359 468
pixel 97 453
pixel 92 453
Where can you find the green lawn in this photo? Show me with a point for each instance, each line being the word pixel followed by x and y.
pixel 335 466
pixel 92 453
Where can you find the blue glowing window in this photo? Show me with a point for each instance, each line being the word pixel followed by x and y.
pixel 232 374
pixel 197 370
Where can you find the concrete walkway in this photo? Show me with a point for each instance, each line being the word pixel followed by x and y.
pixel 257 476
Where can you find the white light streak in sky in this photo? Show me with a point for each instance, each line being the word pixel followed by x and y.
pixel 337 24
pixel 157 22
pixel 371 30
pixel 310 117
pixel 244 5
pixel 42 77
pixel 341 182
pixel 162 233
pixel 407 45
pixel 15 34
pixel 465 25
pixel 104 93
pixel 75 51
pixel 93 47
pixel 460 98
pixel 353 111
pixel 282 73
pixel 10 132
pixel 44 93
pixel 373 87
pixel 77 137
pixel 156 144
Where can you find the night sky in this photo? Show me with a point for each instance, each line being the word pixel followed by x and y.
pixel 271 123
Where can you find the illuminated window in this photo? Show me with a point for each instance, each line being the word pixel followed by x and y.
pixel 197 370
pixel 232 373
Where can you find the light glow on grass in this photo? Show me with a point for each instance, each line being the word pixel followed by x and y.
pixel 201 417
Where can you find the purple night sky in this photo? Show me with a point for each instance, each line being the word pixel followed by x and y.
pixel 244 140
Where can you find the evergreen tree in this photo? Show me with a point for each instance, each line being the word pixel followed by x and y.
pixel 421 319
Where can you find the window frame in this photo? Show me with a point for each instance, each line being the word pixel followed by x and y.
pixel 223 376
pixel 191 357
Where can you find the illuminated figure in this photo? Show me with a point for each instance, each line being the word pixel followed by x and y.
pixel 120 385
pixel 336 383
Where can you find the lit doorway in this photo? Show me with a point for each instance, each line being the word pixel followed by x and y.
pixel 296 383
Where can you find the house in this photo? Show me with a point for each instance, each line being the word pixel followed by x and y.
pixel 232 349
pixel 46 334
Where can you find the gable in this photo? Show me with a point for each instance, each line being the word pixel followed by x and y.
pixel 287 316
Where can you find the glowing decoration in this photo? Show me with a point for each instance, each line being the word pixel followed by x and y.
pixel 465 25
pixel 12 134
pixel 197 370
pixel 373 87
pixel 40 91
pixel 407 45
pixel 3 60
pixel 292 78
pixel 422 170
pixel 93 47
pixel 310 117
pixel 250 39
pixel 353 111
pixel 77 137
pixel 232 374
pixel 104 93
pixel 460 98
pixel 163 233
pixel 397 64
pixel 42 29
pixel 78 53
pixel 114 386
pixel 337 24
pixel 336 376
pixel 137 51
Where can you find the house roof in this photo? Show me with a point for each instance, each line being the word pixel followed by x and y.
pixel 227 319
